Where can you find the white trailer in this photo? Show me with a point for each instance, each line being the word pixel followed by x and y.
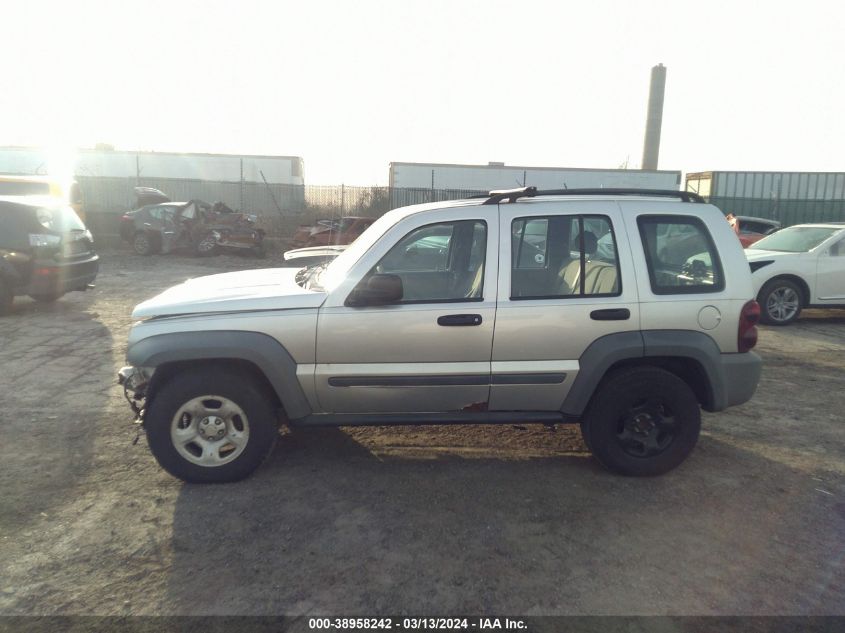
pixel 285 170
pixel 499 176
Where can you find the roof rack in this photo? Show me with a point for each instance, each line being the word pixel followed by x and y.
pixel 512 195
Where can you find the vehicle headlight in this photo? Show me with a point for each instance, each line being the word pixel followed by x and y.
pixel 39 239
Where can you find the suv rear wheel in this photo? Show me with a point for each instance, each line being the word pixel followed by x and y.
pixel 642 421
pixel 211 426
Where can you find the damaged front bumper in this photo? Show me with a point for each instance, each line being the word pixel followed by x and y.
pixel 135 382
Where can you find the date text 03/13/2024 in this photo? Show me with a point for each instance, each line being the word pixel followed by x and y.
pixel 415 624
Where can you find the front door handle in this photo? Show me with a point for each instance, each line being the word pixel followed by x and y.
pixel 459 319
pixel 613 314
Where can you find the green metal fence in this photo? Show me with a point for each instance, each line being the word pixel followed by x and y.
pixel 789 197
pixel 788 212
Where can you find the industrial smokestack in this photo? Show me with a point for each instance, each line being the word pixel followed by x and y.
pixel 654 117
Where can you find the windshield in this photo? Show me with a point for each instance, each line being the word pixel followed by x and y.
pixel 795 239
pixel 339 268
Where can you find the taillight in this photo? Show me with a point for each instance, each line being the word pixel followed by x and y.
pixel 749 317
pixel 126 218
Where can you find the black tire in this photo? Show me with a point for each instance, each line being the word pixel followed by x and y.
pixel 257 405
pixel 6 298
pixel 780 302
pixel 143 243
pixel 642 421
pixel 207 246
pixel 49 298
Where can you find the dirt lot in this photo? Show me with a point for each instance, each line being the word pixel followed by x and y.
pixel 407 520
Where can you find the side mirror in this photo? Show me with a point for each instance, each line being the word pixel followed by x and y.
pixel 377 290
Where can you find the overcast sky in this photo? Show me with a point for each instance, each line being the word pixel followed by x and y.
pixel 351 86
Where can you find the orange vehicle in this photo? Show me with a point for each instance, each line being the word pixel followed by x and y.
pixel 332 232
pixel 66 190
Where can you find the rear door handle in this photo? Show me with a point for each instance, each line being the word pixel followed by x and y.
pixel 613 314
pixel 459 319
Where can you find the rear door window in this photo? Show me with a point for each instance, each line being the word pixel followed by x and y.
pixel 681 255
pixel 558 257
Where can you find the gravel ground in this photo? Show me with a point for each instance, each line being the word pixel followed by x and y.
pixel 407 520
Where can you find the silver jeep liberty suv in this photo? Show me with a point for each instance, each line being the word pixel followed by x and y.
pixel 627 311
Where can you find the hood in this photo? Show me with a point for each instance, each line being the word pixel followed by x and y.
pixel 753 254
pixel 315 251
pixel 242 291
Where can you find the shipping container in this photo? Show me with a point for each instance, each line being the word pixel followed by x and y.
pixel 499 176
pixel 789 197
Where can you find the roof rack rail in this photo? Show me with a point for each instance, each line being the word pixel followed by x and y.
pixel 512 195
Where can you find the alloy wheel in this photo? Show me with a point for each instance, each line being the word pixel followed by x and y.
pixel 782 303
pixel 647 429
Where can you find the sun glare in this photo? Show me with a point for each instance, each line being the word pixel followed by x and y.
pixel 60 164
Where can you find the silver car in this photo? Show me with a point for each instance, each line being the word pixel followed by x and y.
pixel 494 310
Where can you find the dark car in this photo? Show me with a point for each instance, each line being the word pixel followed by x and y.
pixel 161 225
pixel 45 250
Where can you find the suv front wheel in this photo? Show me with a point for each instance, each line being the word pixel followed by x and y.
pixel 211 426
pixel 642 421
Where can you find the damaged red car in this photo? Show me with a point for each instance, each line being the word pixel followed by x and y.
pixel 331 232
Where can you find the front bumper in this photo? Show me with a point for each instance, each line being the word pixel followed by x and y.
pixel 135 382
pixel 52 278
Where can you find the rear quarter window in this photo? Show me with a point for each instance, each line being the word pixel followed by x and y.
pixel 680 254
pixel 16 223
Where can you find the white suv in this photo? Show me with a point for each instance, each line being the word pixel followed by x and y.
pixel 625 310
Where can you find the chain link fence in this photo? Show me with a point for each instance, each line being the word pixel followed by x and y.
pixel 280 208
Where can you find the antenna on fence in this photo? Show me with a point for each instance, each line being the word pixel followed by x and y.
pixel 272 195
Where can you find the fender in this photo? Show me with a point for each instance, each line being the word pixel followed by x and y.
pixel 265 352
pixel 594 363
pixel 699 347
pixel 607 351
